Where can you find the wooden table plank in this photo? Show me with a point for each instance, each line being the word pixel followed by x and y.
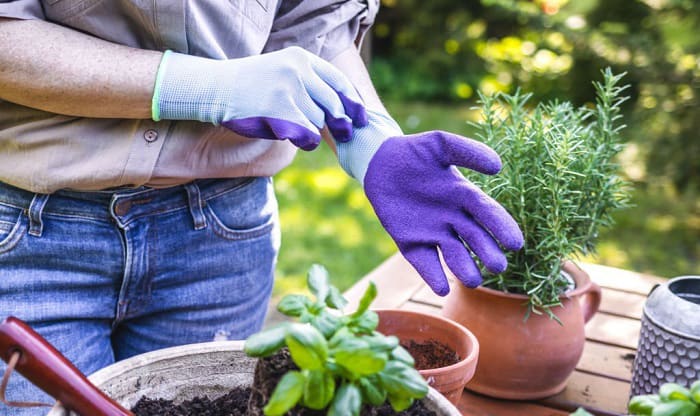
pixel 472 404
pixel 607 361
pixel 613 330
pixel 623 280
pixel 395 282
pixel 600 395
pixel 622 303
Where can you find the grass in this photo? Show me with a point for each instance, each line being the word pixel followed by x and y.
pixel 326 218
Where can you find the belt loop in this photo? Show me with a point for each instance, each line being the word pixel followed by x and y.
pixel 36 208
pixel 194 197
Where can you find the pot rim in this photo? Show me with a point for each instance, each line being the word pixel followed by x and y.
pixel 473 342
pixel 583 284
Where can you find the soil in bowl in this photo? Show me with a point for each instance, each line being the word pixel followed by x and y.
pixel 430 354
pixel 249 401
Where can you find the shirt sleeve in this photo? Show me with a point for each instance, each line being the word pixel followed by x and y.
pixel 323 27
pixel 21 9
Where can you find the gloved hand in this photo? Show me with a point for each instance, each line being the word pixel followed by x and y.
pixel 424 202
pixel 288 94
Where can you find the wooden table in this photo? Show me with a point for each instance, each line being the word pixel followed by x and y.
pixel 601 382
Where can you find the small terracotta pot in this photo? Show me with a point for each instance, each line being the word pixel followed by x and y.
pixel 524 359
pixel 422 327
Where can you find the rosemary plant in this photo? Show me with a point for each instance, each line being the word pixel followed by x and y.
pixel 559 181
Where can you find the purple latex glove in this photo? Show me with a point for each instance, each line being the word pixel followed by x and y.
pixel 424 203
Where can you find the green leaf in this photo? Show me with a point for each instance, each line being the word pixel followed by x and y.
pixel 673 391
pixel 326 322
pixel 293 305
pixel 675 408
pixel 399 402
pixel 347 401
pixel 340 336
pixel 286 395
pixel 581 412
pixel 359 358
pixel 307 346
pixel 372 390
pixel 367 298
pixel 318 282
pixel 400 379
pixel 380 342
pixel 643 404
pixel 364 323
pixel 336 299
pixel 266 342
pixel 401 354
pixel 695 391
pixel 318 389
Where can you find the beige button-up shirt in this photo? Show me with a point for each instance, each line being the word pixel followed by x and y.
pixel 43 152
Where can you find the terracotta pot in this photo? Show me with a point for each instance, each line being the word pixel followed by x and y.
pixel 524 359
pixel 422 327
pixel 188 371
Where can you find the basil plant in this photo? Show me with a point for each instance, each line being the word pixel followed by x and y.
pixel 343 361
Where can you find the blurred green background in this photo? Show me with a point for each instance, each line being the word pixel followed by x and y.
pixel 428 60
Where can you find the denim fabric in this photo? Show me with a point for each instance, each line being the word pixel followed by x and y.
pixel 108 275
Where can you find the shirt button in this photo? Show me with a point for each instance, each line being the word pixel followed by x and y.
pixel 150 135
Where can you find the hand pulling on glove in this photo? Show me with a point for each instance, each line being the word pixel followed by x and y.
pixel 424 202
pixel 288 94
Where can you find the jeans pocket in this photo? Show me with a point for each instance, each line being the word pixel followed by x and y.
pixel 12 227
pixel 243 212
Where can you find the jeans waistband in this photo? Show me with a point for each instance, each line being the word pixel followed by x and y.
pixel 122 205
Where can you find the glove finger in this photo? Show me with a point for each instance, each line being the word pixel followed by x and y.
pixel 482 244
pixel 491 216
pixel 427 263
pixel 275 129
pixel 453 149
pixel 460 262
pixel 325 98
pixel 342 87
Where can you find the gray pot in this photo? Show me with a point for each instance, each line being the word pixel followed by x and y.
pixel 669 342
pixel 188 371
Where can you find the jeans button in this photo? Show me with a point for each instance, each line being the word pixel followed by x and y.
pixel 150 135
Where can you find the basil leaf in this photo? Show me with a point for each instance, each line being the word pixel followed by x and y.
pixel 359 360
pixel 399 402
pixel 266 342
pixel 675 408
pixel 318 389
pixel 307 346
pixel 381 342
pixel 673 391
pixel 318 282
pixel 367 298
pixel 371 390
pixel 336 299
pixel 644 404
pixel 347 401
pixel 695 391
pixel 399 379
pixel 581 412
pixel 365 323
pixel 293 305
pixel 401 354
pixel 327 323
pixel 286 395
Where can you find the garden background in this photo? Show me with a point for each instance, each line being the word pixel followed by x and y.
pixel 429 59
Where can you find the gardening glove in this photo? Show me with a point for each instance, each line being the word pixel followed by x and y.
pixel 424 202
pixel 288 94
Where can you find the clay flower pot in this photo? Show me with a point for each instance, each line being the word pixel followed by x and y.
pixel 422 327
pixel 524 359
pixel 182 373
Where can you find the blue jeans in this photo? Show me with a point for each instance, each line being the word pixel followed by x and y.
pixel 107 275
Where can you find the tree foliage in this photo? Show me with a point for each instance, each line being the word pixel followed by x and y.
pixel 450 49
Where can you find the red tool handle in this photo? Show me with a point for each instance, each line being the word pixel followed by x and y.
pixel 49 370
